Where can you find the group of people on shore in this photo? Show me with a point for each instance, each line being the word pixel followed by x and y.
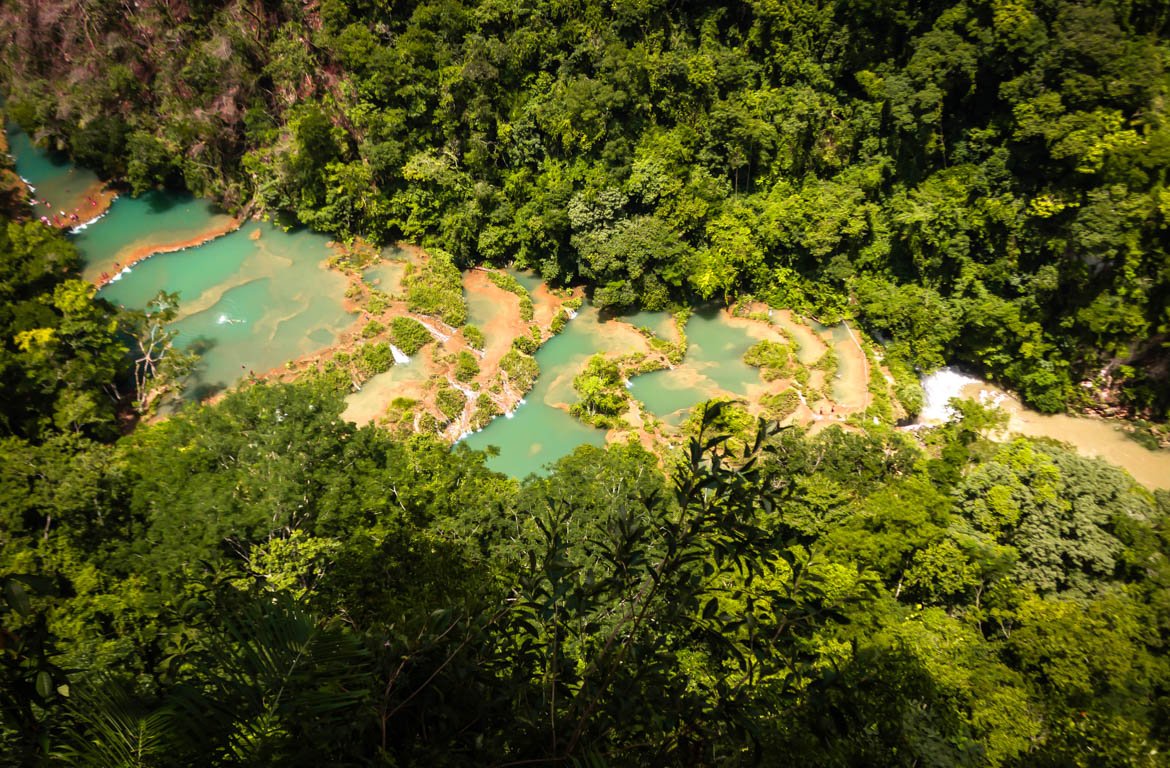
pixel 61 218
pixel 107 277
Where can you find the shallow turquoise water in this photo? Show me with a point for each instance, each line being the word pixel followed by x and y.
pixel 482 309
pixel 248 304
pixel 849 383
pixel 660 323
pixel 56 179
pixel 670 394
pixel 154 221
pixel 713 367
pixel 379 391
pixel 716 349
pixel 387 275
pixel 193 274
pixel 529 280
pixel 539 433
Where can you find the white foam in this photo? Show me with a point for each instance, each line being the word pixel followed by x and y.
pixel 512 412
pixel 85 224
pixel 468 392
pixel 939 388
pixel 443 337
pixel 400 357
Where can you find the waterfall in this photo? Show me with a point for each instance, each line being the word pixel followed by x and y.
pixel 443 337
pixel 468 392
pixel 938 388
pixel 400 357
pixel 512 412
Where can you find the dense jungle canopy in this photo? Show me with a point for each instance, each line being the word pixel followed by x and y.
pixel 982 181
pixel 259 582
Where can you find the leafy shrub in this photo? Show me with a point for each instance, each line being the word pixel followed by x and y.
pixel 828 363
pixel 602 391
pixel 521 369
pixel 474 336
pixel 450 402
pixel 782 404
pixel 378 302
pixel 330 377
pixel 399 416
pixel 674 352
pixel 437 289
pixel 773 358
pixel 409 334
pixel 880 404
pixel 427 423
pixel 485 410
pixel 907 387
pixel 466 366
pixel 372 329
pixel 530 343
pixel 373 359
pixel 723 417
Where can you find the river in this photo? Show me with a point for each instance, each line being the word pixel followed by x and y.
pixel 250 297
pixel 249 300
pixel 255 296
pixel 1089 436
pixel 540 431
pixel 60 188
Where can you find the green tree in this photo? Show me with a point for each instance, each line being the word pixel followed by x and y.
pixel 466 366
pixel 602 391
pixel 160 368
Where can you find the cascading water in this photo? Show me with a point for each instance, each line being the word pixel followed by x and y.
pixel 443 337
pixel 939 388
pixel 400 357
pixel 1089 436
